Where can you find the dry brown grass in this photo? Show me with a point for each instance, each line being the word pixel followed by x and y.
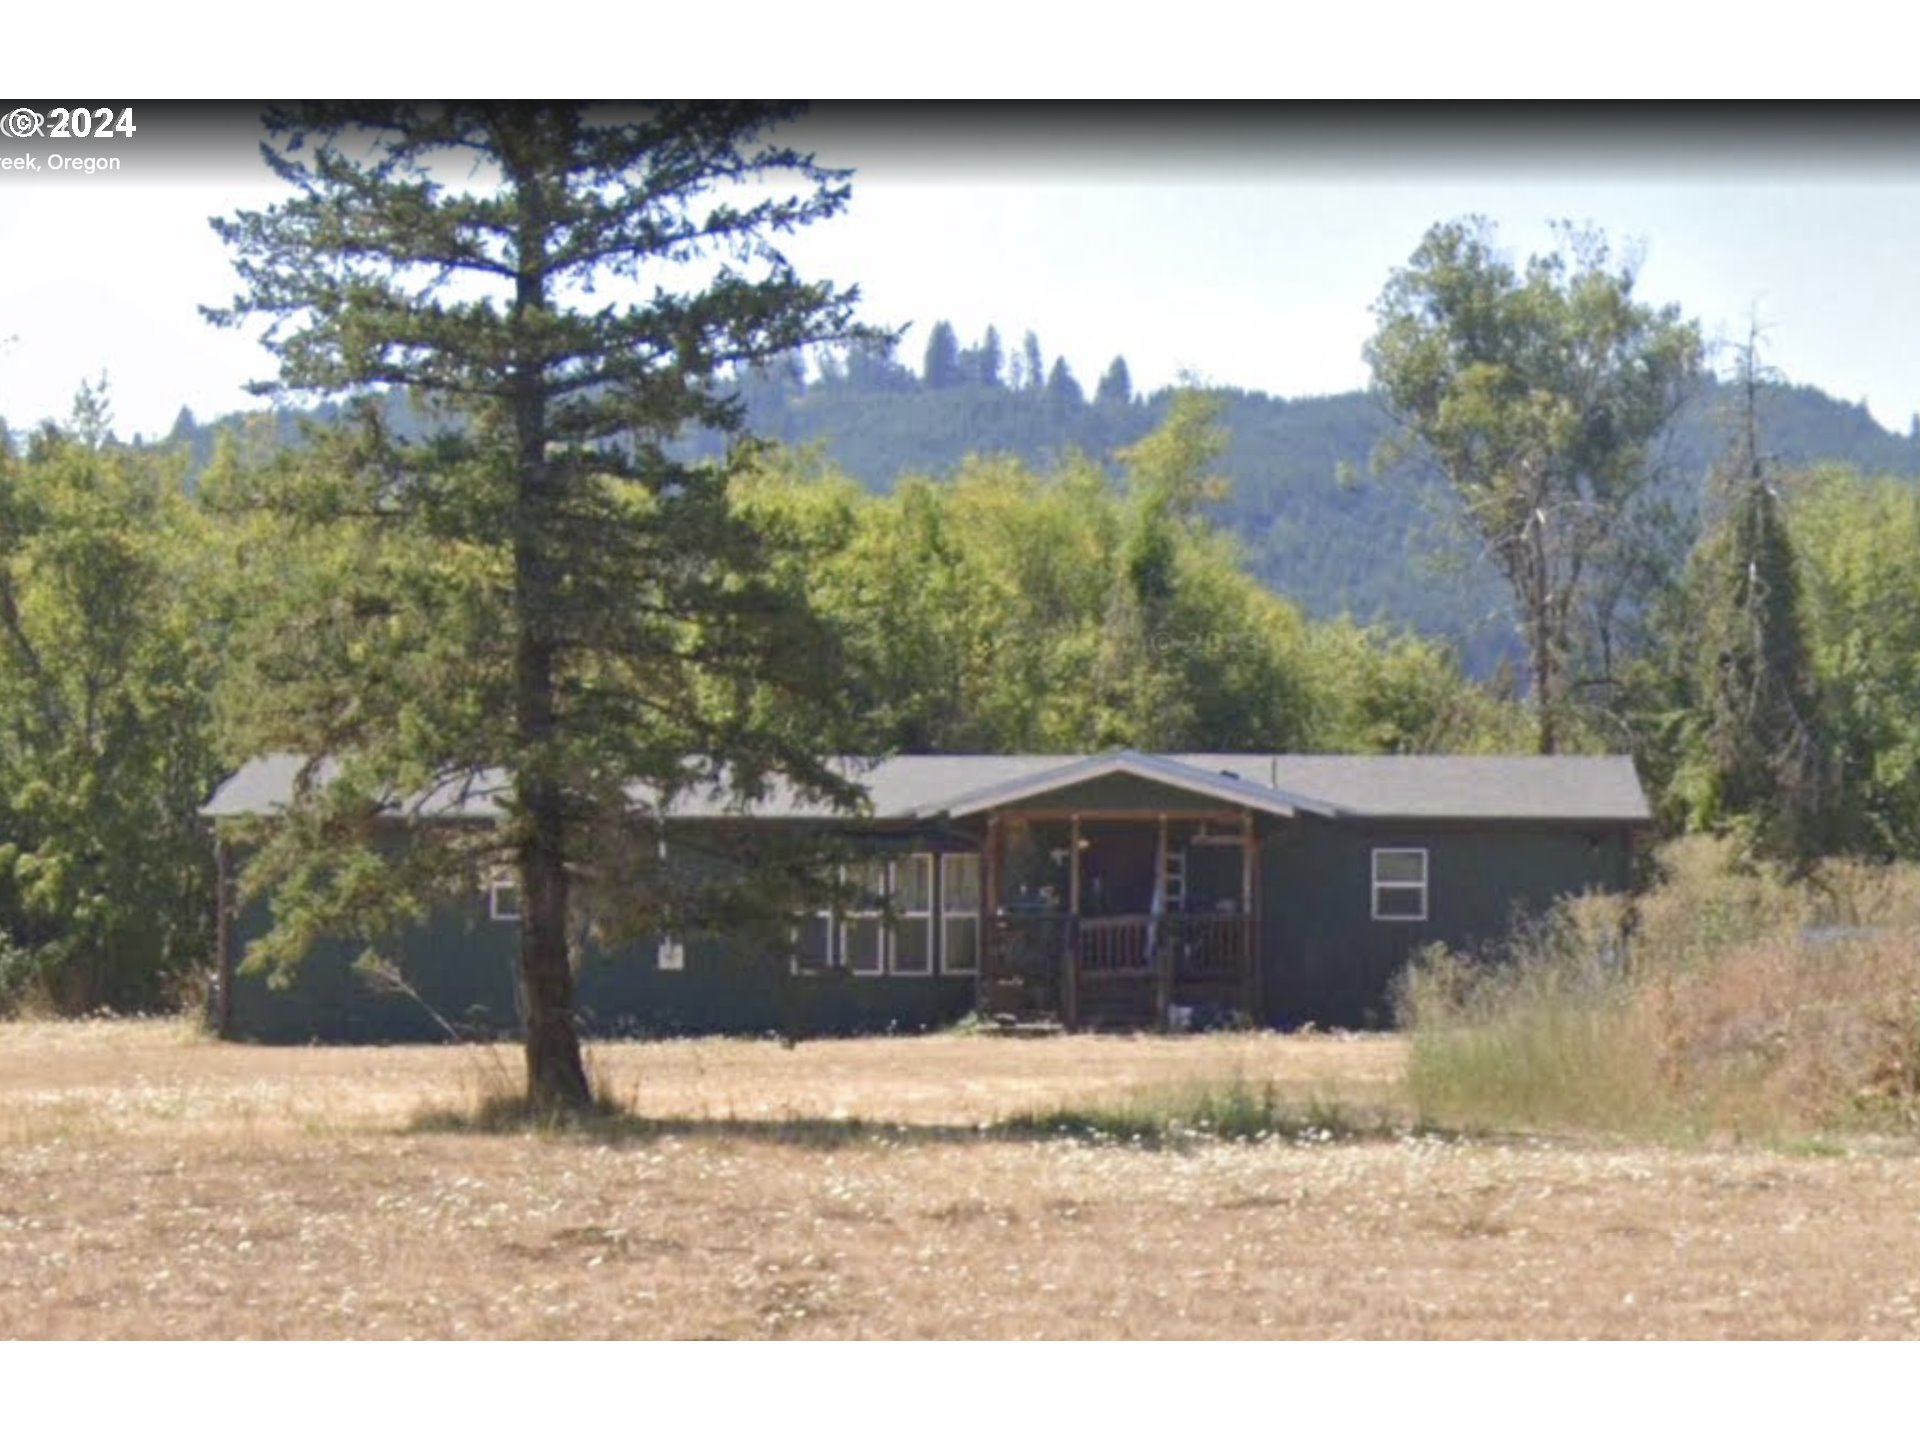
pixel 1750 1008
pixel 157 1184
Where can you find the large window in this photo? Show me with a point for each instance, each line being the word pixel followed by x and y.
pixel 960 914
pixel 1399 884
pixel 863 928
pixel 913 915
pixel 890 924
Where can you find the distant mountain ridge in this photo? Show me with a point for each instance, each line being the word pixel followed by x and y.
pixel 1317 524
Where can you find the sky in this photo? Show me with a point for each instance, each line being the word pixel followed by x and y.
pixel 1242 246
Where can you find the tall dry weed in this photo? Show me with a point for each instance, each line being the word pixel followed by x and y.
pixel 1724 1001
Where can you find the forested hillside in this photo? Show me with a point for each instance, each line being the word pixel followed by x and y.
pixel 1319 521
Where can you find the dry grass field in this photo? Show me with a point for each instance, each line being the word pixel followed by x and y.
pixel 157 1184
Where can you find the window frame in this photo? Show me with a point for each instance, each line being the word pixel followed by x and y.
pixel 969 914
pixel 901 921
pixel 875 916
pixel 829 959
pixel 508 882
pixel 1420 887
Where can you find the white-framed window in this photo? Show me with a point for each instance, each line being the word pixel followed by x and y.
pixel 1399 884
pixel 960 914
pixel 503 896
pixel 911 943
pixel 891 924
pixel 672 953
pixel 863 927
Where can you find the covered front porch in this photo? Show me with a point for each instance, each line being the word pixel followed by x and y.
pixel 1124 921
pixel 1123 890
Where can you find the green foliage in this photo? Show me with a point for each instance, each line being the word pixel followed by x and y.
pixel 1004 610
pixel 1759 751
pixel 1859 547
pixel 524 598
pixel 1387 548
pixel 1538 393
pixel 107 647
pixel 1234 1110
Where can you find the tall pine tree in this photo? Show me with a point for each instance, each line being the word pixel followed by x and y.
pixel 1063 391
pixel 534 601
pixel 1759 750
pixel 941 369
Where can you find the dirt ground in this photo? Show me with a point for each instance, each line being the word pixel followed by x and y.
pixel 157 1184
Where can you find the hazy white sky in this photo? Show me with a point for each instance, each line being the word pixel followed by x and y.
pixel 1245 246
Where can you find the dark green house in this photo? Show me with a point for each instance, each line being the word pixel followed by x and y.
pixel 1122 889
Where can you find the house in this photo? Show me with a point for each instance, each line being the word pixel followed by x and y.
pixel 1122 889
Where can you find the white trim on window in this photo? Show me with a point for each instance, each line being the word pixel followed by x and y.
pixel 960 912
pixel 868 940
pixel 503 896
pixel 911 921
pixel 868 922
pixel 1403 892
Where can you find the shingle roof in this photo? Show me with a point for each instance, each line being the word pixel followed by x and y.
pixel 1428 787
pixel 1464 787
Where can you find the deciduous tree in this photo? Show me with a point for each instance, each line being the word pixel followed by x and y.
pixel 1539 392
pixel 106 660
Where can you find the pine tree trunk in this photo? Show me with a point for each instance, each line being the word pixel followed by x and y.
pixel 556 1074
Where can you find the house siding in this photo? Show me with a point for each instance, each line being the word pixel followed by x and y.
pixel 1328 962
pixel 1322 958
pixel 459 968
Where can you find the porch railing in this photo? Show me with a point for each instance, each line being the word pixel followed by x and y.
pixel 1137 964
pixel 1113 946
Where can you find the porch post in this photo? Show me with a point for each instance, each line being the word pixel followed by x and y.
pixel 1162 951
pixel 1070 960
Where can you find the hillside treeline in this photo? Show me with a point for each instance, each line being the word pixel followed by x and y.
pixel 1315 519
